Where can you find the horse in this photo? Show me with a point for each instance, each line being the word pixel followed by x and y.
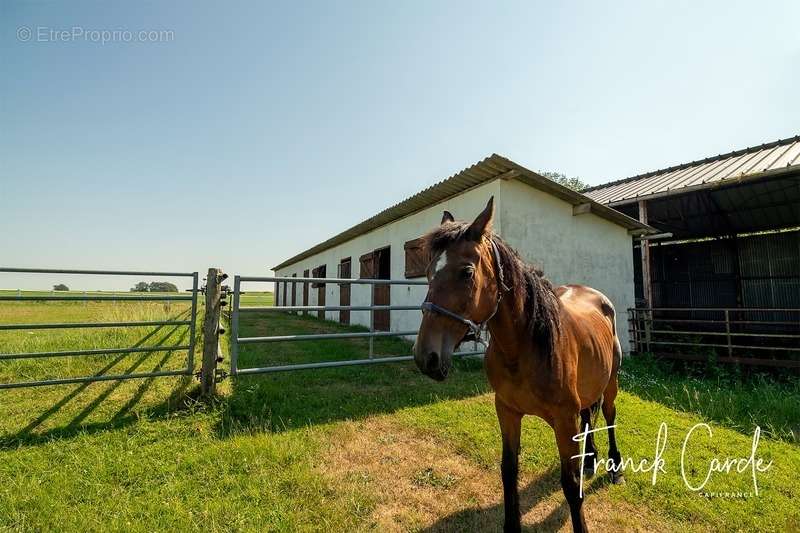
pixel 553 352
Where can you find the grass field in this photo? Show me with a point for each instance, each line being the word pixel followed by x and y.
pixel 344 449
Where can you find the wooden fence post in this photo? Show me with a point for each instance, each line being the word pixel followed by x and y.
pixel 728 332
pixel 211 329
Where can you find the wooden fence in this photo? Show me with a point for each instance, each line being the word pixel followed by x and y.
pixel 752 336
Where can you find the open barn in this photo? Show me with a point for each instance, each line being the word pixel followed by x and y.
pixel 572 238
pixel 722 277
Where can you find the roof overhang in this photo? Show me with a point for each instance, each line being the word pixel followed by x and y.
pixel 490 169
pixel 738 180
pixel 755 162
pixel 770 201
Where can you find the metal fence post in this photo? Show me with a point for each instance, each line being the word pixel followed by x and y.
pixel 371 318
pixel 208 372
pixel 192 327
pixel 235 326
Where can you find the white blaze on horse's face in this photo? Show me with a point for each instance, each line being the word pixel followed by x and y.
pixel 441 262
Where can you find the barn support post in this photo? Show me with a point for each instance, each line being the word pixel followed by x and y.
pixel 211 332
pixel 647 287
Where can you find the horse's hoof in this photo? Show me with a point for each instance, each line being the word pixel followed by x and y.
pixel 617 479
pixel 588 472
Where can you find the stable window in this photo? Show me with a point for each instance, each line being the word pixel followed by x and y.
pixel 417 258
pixel 345 271
pixel 318 272
pixel 377 265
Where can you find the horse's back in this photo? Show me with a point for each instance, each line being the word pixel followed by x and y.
pixel 591 319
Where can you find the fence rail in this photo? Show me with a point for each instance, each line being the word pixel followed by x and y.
pixel 751 335
pixel 190 323
pixel 236 310
pixel 97 298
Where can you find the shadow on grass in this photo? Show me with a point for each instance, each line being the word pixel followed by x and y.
pixel 27 435
pixel 491 518
pixel 288 400
pixel 270 402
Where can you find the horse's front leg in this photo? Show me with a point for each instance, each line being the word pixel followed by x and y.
pixel 510 426
pixel 566 427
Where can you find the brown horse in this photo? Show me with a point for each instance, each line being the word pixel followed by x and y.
pixel 553 353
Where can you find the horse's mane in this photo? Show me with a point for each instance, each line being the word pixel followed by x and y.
pixel 526 284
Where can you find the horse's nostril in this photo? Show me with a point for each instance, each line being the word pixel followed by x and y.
pixel 433 361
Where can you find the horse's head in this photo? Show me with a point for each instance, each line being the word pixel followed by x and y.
pixel 462 287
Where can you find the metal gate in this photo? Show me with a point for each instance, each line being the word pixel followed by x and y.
pixel 236 310
pixel 190 323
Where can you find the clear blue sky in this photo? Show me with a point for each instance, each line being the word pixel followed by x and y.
pixel 264 128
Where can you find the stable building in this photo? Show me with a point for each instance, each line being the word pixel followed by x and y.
pixel 572 237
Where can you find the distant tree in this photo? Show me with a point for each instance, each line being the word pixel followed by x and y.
pixel 573 183
pixel 60 287
pixel 162 286
pixel 142 286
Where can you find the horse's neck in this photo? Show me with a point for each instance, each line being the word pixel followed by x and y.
pixel 511 337
pixel 508 333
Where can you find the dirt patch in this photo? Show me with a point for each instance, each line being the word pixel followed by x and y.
pixel 419 483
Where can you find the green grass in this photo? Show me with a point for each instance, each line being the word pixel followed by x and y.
pixel 145 455
pixel 725 395
pixel 253 299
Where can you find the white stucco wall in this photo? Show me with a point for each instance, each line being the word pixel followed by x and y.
pixel 584 249
pixel 572 249
pixel 395 235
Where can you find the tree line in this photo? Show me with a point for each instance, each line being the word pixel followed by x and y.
pixel 154 286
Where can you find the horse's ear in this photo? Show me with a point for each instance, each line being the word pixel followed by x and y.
pixel 482 224
pixel 447 216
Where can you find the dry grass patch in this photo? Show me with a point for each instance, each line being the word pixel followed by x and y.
pixel 418 483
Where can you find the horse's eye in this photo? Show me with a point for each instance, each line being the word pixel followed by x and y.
pixel 467 272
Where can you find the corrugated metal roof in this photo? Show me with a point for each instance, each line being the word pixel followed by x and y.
pixel 492 168
pixel 750 163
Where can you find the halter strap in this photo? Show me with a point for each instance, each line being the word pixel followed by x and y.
pixel 476 328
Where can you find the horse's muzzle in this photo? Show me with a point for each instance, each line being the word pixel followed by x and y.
pixel 432 363
pixel 434 367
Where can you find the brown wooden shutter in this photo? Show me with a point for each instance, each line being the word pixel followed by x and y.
pixel 319 272
pixel 345 269
pixel 305 290
pixel 367 266
pixel 416 258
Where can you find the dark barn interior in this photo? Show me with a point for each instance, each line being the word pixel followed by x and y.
pixel 722 279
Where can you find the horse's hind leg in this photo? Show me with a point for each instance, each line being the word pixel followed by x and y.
pixel 591 449
pixel 610 414
pixel 566 427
